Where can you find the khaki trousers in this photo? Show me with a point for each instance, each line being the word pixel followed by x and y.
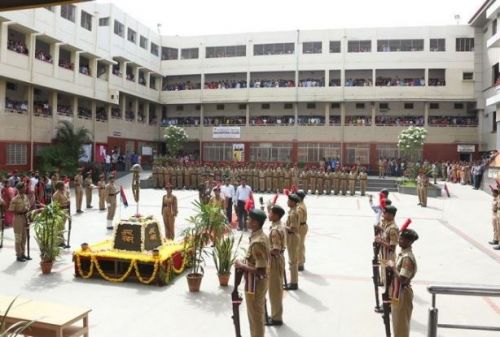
pixel 155 180
pixel 79 197
pixel 169 223
pixel 262 185
pixel 362 186
pixel 20 234
pixel 88 197
pixel 102 198
pixel 276 270
pixel 401 313
pixel 161 180
pixel 292 246
pixel 255 308
pixel 352 187
pixel 303 229
pixel 111 208
pixel 496 231
pixel 422 195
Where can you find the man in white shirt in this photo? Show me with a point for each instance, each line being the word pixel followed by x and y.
pixel 228 192
pixel 242 194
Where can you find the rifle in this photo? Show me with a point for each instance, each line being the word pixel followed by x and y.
pixel 376 276
pixel 266 315
pixel 28 236
pixel 236 300
pixel 386 300
pixel 285 281
pixel 67 245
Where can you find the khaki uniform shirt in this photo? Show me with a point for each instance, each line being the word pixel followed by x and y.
pixel 277 237
pixel 258 251
pixel 406 264
pixel 293 220
pixel 78 180
pixel 111 192
pixel 61 198
pixel 302 210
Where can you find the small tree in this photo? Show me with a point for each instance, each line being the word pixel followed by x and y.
pixel 174 137
pixel 411 142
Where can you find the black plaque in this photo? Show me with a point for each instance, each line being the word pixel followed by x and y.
pixel 128 237
pixel 152 236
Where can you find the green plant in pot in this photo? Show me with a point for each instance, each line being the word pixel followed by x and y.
pixel 224 255
pixel 48 224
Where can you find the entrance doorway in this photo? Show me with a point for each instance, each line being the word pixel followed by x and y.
pixel 466 157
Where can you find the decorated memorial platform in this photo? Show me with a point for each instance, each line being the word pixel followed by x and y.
pixel 137 252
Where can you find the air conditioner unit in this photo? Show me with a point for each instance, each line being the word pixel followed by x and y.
pixel 114 96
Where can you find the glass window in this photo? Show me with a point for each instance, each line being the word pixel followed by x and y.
pixel 437 45
pixel 274 49
pixel 104 21
pixel 17 154
pixel 387 151
pixel 68 12
pixel 334 46
pixel 359 46
pixel 434 106
pixel 154 49
pixel 400 45
pixel 189 53
pixel 408 106
pixel 131 35
pixel 225 51
pixel 274 152
pixel 86 20
pixel 143 42
pixel 494 27
pixel 314 152
pixel 218 151
pixel 464 44
pixel 357 153
pixel 468 76
pixel 312 48
pixel 168 53
pixel 119 28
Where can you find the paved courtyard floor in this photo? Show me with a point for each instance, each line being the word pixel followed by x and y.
pixel 336 291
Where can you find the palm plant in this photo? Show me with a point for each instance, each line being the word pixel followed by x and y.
pixel 225 253
pixel 49 229
pixel 14 330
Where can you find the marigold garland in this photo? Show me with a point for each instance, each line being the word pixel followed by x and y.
pixel 108 278
pixel 153 275
pixel 80 270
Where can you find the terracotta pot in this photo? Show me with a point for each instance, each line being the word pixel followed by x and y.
pixel 194 282
pixel 224 279
pixel 46 267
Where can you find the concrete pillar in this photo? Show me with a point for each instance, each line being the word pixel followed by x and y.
pixel 247 115
pixel 108 112
pixel 135 107
pixel 327 112
pixel 202 117
pixel 148 79
pixel 4 36
pixel 426 113
pixel 342 114
pixel 123 69
pixel 3 92
pixel 76 63
pixel 296 113
pixel 146 110
pixel 426 76
pixel 123 105
pixel 75 106
pixel 374 112
pixel 327 78
pixel 110 71
pixel 55 50
pixel 374 76
pixel 53 100
pixel 93 67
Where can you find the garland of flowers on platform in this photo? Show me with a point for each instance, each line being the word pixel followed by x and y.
pixel 80 271
pixel 153 275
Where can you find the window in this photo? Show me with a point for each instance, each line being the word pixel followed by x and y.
pixel 335 106
pixel 495 75
pixel 467 76
pixel 131 35
pixel 265 106
pixel 179 108
pixel 274 152
pixel 400 45
pixel 154 49
pixel 465 44
pixel 434 106
pixel 334 46
pixel 104 21
pixel 458 106
pixel 494 121
pixel 387 151
pixel 189 53
pixel 143 42
pixel 242 106
pixel 359 46
pixel 288 106
pixel 169 53
pixel 383 106
pixel 360 105
pixel 494 27
pixel 220 107
pixel 119 28
pixel 217 151
pixel 311 105
pixel 86 20
pixel 314 152
pixel 357 153
pixel 273 49
pixel 68 12
pixel 312 47
pixel 437 45
pixel 198 107
pixel 226 51
pixel 408 106
pixel 17 154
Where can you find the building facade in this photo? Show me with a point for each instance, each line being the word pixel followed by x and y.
pixel 293 96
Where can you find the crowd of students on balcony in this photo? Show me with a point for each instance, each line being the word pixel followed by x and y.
pixel 152 118
pixel 310 83
pixel 216 121
pixel 272 120
pixel 130 77
pixel 453 121
pixel 396 81
pixel 142 80
pixel 272 83
pixel 16 106
pixel 140 117
pixel 66 64
pixel 84 112
pixel 65 110
pixel 188 85
pixel 311 120
pixel 334 120
pixel 43 56
pixel 335 82
pixel 399 120
pixel 84 69
pixel 357 120
pixel 42 108
pixel 129 115
pixel 358 82
pixel 17 46
pixel 101 115
pixel 180 121
pixel 225 84
pixel 116 113
pixel 436 82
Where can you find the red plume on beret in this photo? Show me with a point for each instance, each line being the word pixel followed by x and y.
pixel 382 203
pixel 498 183
pixel 294 189
pixel 286 192
pixel 405 225
pixel 275 198
pixel 492 188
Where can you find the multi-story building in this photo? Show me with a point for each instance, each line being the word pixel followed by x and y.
pixel 292 96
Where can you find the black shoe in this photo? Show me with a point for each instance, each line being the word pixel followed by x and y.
pixel 62 245
pixel 20 259
pixel 291 286
pixel 79 211
pixel 66 246
pixel 109 227
pixel 493 242
pixel 272 322
pixel 102 209
pixel 90 206
pixel 27 258
pixel 301 268
pixel 496 247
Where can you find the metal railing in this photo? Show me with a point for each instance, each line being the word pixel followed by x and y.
pixel 458 291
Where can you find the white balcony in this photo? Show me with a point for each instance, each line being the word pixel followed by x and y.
pixel 494 98
pixel 42 67
pixel 494 41
pixel 180 97
pixel 272 94
pixel 493 10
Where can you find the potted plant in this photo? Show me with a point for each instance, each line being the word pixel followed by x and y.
pixel 224 255
pixel 49 227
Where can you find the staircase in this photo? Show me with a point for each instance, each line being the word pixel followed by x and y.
pixel 375 184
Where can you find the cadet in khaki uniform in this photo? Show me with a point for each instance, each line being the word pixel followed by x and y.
pixel 275 176
pixel 287 183
pixel 328 182
pixel 343 182
pixel 269 180
pixel 352 183
pixel 101 188
pixel 311 181
pixel 303 229
pixel 363 181
pixel 262 180
pixel 388 238
pixel 161 176
pixel 79 190
pixel 194 178
pixel 320 186
pixel 89 185
pixel 169 212
pixel 422 184
pixel 187 177
pixel 20 206
pixel 255 266
pixel 255 178
pixel 281 179
pixel 180 182
pixel 404 270
pixel 62 199
pixel 155 176
pixel 293 241
pixel 496 219
pixel 277 240
pixel 172 171
pixel 111 192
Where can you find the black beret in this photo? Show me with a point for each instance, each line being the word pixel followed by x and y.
pixel 278 210
pixel 388 202
pixel 20 186
pixel 409 234
pixel 294 197
pixel 258 215
pixel 301 194
pixel 391 209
